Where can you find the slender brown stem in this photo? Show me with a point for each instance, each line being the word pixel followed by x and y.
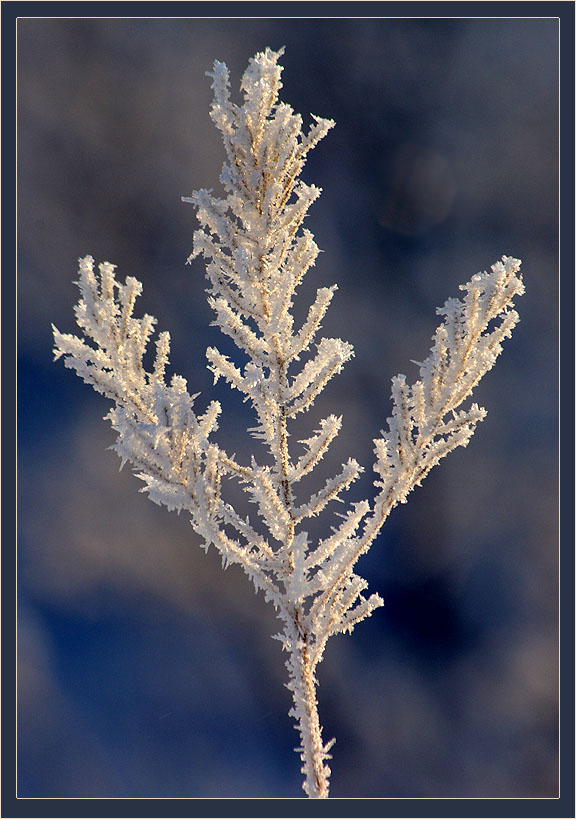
pixel 303 686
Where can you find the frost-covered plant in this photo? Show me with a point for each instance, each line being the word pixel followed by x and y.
pixel 257 254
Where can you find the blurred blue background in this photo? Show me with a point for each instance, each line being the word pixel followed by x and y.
pixel 144 670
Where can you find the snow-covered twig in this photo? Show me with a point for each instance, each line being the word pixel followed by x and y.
pixel 256 255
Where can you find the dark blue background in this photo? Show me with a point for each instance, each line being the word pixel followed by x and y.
pixel 144 670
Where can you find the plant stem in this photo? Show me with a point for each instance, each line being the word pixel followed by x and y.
pixel 303 686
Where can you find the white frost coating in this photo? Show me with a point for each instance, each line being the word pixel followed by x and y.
pixel 256 255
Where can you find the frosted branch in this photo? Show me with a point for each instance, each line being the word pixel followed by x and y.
pixel 257 254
